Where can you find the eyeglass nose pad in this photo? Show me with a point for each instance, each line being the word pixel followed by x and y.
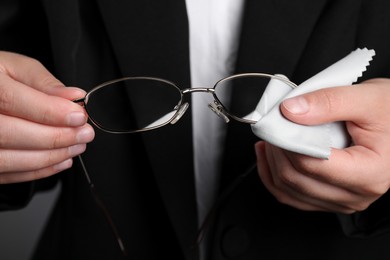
pixel 182 109
pixel 216 107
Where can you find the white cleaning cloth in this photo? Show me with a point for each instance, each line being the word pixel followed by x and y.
pixel 315 141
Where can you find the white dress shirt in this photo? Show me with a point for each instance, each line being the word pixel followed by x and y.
pixel 214 32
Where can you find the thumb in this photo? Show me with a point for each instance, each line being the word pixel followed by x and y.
pixel 349 103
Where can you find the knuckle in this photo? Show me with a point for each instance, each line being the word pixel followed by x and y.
pixel 278 182
pixel 57 139
pixel 45 116
pixel 4 162
pixel 54 112
pixel 55 156
pixel 287 178
pixel 62 138
pixel 306 166
pixel 7 98
pixel 49 81
pixel 42 173
pixel 330 100
pixel 30 61
pixel 3 135
pixel 51 113
pixel 375 191
pixel 50 159
pixel 357 206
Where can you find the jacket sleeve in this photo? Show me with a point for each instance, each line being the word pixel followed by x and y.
pixel 374 221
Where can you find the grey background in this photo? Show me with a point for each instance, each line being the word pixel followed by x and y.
pixel 20 229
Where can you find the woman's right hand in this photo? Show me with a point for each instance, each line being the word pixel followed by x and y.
pixel 41 129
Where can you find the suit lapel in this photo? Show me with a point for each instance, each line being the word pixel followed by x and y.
pixel 271 44
pixel 156 37
pixel 275 33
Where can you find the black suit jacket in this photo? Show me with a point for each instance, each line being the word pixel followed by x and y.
pixel 147 179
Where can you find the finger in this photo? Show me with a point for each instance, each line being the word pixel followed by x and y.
pixel 298 195
pixel 349 103
pixel 32 73
pixel 19 100
pixel 265 174
pixel 293 193
pixel 310 189
pixel 356 169
pixel 69 93
pixel 8 178
pixel 30 160
pixel 19 134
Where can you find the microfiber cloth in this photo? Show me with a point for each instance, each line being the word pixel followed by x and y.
pixel 315 141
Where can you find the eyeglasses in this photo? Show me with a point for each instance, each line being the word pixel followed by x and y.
pixel 149 103
pixel 139 104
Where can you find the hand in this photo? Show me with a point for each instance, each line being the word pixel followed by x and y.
pixel 41 129
pixel 354 177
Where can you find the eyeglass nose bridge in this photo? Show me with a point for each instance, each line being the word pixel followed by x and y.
pixel 215 106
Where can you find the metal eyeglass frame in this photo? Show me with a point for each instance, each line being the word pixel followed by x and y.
pixel 216 106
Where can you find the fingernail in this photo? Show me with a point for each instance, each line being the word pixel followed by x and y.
pixel 76 119
pixel 63 165
pixel 296 105
pixel 76 149
pixel 85 135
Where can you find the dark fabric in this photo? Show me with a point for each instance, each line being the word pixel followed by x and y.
pixel 147 179
pixel 306 38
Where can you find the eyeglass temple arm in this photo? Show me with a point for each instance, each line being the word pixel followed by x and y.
pixel 79 100
pixel 103 207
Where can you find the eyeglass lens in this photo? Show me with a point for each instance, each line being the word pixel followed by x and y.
pixel 240 95
pixel 132 104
